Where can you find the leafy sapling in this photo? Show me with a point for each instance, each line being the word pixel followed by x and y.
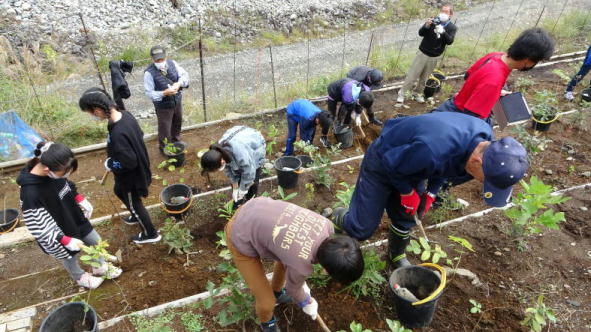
pixel 272 133
pixel 177 237
pixel 427 252
pixel 531 213
pixel 227 210
pixel 344 196
pixel 356 327
pixel 396 326
pixel 371 281
pixel 319 277
pixel 535 317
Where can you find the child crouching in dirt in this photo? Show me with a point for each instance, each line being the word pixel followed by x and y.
pixel 240 153
pixel 127 158
pixel 56 215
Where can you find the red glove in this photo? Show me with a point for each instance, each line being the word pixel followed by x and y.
pixel 427 200
pixel 410 202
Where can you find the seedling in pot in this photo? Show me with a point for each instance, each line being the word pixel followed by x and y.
pixel 535 317
pixel 177 237
pixel 544 108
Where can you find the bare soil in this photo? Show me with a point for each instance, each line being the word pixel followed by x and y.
pixel 152 276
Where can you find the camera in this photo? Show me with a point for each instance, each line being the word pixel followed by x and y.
pixel 436 20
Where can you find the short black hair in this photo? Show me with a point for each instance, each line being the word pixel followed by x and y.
pixel 212 159
pixel 341 257
pixel 325 120
pixel 366 99
pixel 534 44
pixel 56 156
pixel 96 97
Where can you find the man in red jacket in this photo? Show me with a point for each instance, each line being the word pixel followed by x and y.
pixel 486 78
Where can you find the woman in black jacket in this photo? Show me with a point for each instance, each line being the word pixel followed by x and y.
pixel 127 158
pixel 56 215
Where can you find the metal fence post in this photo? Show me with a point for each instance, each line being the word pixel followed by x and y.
pixel 273 75
pixel 202 76
pixel 92 53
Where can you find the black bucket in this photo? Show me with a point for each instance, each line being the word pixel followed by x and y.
pixel 542 125
pixel 422 282
pixel 306 160
pixel 432 86
pixel 288 171
pixel 176 190
pixel 69 316
pixel 8 220
pixel 343 135
pixel 179 155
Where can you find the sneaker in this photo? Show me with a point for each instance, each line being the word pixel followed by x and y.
pixel 89 281
pixel 324 141
pixel 400 98
pixel 569 95
pixel 107 270
pixel 129 220
pixel 281 297
pixel 141 238
pixel 420 99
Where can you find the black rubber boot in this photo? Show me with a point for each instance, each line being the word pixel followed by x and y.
pixel 397 242
pixel 372 119
pixel 338 219
pixel 270 326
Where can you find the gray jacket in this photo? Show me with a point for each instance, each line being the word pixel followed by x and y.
pixel 248 150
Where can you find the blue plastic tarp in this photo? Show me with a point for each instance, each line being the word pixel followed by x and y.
pixel 17 139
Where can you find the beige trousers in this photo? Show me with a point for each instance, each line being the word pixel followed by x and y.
pixel 422 66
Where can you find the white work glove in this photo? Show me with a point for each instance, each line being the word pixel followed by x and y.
pixel 358 121
pixel 74 244
pixel 107 164
pixel 311 309
pixel 86 208
pixel 240 194
pixel 235 195
pixel 439 29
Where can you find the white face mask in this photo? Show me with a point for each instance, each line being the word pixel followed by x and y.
pixel 443 17
pixel 54 176
pixel 222 168
pixel 160 65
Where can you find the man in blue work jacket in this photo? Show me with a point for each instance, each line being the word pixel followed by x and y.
pixel 404 168
pixel 585 68
pixel 306 115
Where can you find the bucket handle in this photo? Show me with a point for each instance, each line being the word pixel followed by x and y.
pixel 299 171
pixel 177 212
pixel 11 228
pixel 439 288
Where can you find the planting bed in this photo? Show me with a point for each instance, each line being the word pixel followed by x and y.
pixel 512 279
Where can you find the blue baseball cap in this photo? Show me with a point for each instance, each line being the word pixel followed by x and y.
pixel 504 163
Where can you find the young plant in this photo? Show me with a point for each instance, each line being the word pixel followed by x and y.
pixel 395 326
pixel 523 84
pixel 344 196
pixel 544 108
pixel 356 327
pixel 350 169
pixel 237 305
pixel 448 204
pixel 535 317
pixel 227 210
pixel 272 133
pixel 94 254
pixel 476 307
pixel 560 73
pixel 319 277
pixel 284 197
pixel 310 191
pixel 371 281
pixel 534 144
pixel 426 252
pixel 192 322
pixel 176 236
pixel 168 164
pixel 530 213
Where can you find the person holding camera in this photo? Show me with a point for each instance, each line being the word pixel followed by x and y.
pixel 437 33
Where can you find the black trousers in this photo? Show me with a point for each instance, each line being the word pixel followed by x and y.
pixel 170 121
pixel 133 202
